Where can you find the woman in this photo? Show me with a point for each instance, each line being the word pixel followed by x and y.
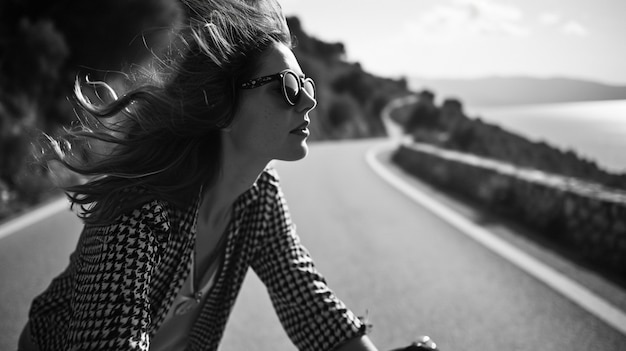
pixel 184 203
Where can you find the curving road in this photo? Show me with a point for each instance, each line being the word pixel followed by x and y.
pixel 384 255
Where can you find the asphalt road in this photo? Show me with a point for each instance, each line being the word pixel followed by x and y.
pixel 385 256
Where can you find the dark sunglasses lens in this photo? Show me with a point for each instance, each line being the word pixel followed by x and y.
pixel 309 87
pixel 292 87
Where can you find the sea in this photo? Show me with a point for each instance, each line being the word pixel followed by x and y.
pixel 594 130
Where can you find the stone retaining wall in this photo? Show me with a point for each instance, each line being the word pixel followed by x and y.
pixel 587 217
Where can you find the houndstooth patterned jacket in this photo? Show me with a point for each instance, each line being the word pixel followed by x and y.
pixel 123 278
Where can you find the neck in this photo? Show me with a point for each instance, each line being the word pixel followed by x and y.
pixel 238 174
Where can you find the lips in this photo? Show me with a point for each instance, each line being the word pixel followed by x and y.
pixel 301 129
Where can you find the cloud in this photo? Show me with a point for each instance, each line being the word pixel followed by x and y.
pixel 562 24
pixel 574 28
pixel 550 18
pixel 460 19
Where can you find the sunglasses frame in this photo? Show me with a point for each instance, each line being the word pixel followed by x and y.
pixel 260 81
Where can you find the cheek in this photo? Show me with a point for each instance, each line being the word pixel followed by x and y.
pixel 269 119
pixel 257 126
pixel 267 126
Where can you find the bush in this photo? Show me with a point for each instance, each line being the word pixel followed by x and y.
pixel 345 118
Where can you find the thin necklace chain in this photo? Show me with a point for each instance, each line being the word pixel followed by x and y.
pixel 218 249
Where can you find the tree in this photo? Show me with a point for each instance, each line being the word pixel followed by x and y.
pixel 328 52
pixel 102 34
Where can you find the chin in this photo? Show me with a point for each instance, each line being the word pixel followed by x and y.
pixel 297 153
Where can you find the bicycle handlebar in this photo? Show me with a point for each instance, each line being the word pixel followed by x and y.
pixel 423 343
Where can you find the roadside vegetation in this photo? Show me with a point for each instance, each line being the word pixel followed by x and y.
pixel 446 125
pixel 565 202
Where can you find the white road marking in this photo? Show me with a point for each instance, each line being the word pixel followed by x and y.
pixel 33 216
pixel 557 281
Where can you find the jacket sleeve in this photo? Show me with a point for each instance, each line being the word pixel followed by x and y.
pixel 115 263
pixel 311 314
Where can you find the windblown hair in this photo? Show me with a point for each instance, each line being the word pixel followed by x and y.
pixel 163 134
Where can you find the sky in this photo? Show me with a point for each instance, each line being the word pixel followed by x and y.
pixel 584 39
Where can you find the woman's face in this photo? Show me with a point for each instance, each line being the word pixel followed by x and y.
pixel 265 126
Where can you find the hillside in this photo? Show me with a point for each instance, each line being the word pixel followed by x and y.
pixel 519 90
pixel 349 98
pixel 446 125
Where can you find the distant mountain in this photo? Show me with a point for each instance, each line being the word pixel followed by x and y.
pixel 518 90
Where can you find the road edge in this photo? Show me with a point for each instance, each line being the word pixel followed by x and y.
pixel 33 216
pixel 572 290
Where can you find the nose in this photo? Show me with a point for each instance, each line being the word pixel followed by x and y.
pixel 307 102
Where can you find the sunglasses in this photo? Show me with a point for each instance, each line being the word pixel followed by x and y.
pixel 292 85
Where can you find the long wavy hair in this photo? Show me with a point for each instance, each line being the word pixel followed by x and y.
pixel 163 134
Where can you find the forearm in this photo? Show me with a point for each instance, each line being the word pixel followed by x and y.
pixel 362 343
